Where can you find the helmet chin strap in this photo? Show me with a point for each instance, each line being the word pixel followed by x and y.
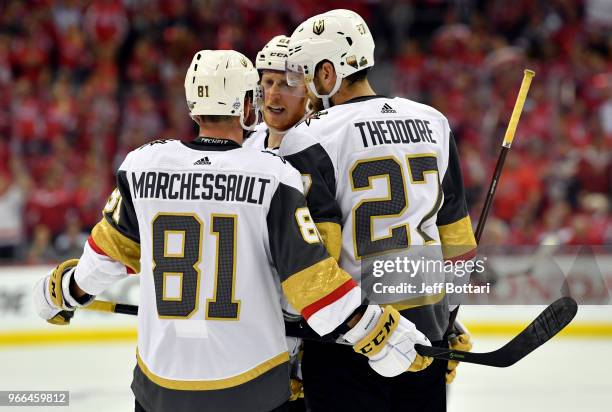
pixel 326 97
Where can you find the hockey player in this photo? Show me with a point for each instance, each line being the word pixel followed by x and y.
pixel 283 105
pixel 381 174
pixel 216 231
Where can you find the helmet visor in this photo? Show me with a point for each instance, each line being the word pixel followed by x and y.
pixel 281 85
pixel 295 75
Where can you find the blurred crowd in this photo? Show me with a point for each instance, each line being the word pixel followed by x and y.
pixel 84 82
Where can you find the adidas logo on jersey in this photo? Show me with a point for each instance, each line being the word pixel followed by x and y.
pixel 387 109
pixel 203 161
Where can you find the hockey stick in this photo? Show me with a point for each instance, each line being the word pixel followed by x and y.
pixel 507 142
pixel 508 138
pixel 112 307
pixel 550 322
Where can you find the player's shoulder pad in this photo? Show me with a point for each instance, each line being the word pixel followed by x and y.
pixel 308 132
pixel 144 152
pixel 270 163
pixel 271 153
pixel 420 108
pixel 311 119
pixel 291 177
pixel 156 142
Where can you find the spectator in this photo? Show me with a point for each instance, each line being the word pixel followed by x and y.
pixel 106 24
pixel 518 190
pixel 69 244
pixel 81 83
pixel 49 203
pixel 13 193
pixel 41 251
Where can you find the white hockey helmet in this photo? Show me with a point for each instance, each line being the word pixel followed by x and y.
pixel 273 55
pixel 217 83
pixel 340 36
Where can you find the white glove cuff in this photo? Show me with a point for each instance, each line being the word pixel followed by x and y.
pixel 365 325
pixel 70 302
pixel 44 308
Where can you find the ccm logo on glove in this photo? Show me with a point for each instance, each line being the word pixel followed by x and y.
pixel 373 343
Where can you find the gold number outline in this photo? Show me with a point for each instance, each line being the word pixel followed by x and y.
pixel 377 199
pixel 196 265
pixel 216 275
pixel 436 205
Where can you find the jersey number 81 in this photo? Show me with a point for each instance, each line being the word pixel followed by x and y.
pixel 183 265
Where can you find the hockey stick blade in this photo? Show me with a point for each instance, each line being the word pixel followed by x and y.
pixel 550 322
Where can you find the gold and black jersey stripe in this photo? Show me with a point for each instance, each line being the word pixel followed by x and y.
pixel 117 234
pixel 311 279
pixel 261 389
pixel 453 220
pixel 321 196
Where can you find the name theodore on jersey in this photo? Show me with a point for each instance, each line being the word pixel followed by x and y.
pixel 230 187
pixel 377 132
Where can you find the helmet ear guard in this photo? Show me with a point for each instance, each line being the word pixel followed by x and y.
pixel 256 97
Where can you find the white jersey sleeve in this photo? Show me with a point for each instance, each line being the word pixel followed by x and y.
pixel 112 251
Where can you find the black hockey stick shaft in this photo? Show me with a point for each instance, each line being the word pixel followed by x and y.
pixel 297 329
pixel 550 322
pixel 105 306
pixel 483 216
pixel 506 144
pixel 491 193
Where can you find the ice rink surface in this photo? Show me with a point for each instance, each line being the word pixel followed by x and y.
pixel 566 374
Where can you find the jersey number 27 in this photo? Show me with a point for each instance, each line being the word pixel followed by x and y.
pixel 395 204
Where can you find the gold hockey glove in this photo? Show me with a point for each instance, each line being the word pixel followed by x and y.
pixel 462 342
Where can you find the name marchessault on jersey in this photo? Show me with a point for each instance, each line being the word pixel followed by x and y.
pixel 230 187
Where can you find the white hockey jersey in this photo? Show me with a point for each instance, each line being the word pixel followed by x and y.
pixel 259 139
pixel 380 175
pixel 215 231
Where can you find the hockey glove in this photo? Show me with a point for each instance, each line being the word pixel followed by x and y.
pixel 388 339
pixel 462 342
pixel 297 389
pixel 52 297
